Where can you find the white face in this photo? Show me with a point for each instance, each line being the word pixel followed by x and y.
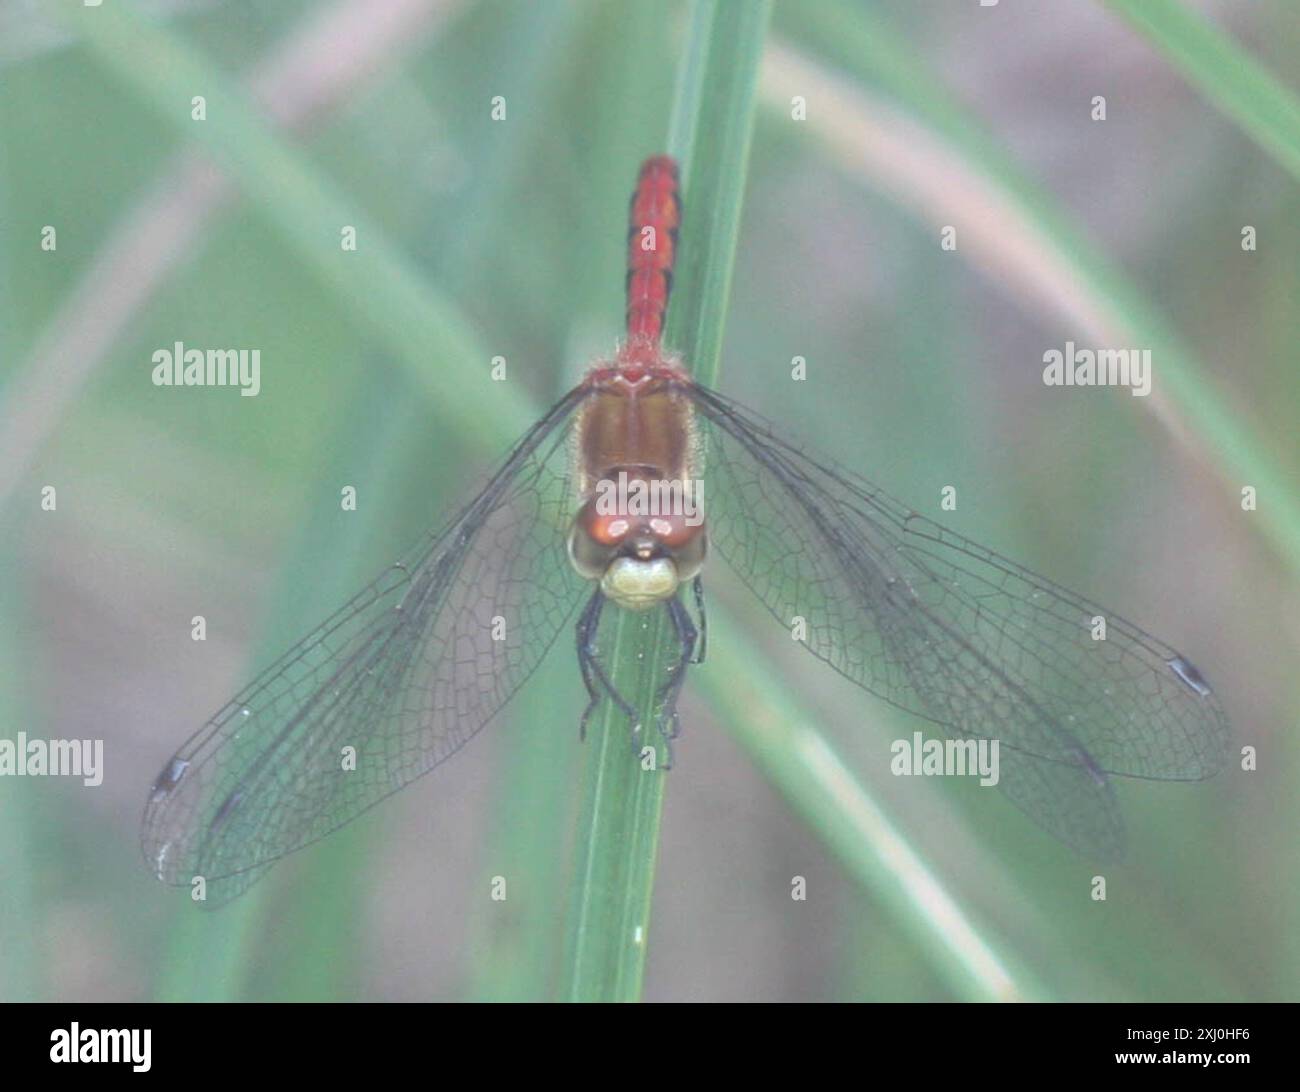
pixel 639 584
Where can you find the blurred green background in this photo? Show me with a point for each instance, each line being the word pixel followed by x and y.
pixel 482 238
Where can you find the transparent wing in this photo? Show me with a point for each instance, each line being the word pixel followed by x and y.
pixel 382 691
pixel 952 632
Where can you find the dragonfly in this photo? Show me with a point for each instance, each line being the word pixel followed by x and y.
pixel 619 498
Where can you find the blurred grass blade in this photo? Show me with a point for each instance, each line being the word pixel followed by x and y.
pixel 802 763
pixel 208 957
pixel 214 956
pixel 23 963
pixel 164 224
pixel 376 283
pixel 936 161
pixel 1224 72
pixel 513 947
pixel 622 805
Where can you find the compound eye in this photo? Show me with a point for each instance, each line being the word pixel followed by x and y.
pixel 609 530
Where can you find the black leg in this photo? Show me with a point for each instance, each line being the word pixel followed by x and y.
pixel 697 585
pixel 585 631
pixel 594 677
pixel 666 699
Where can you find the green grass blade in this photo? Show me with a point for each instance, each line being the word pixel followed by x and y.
pixel 516 946
pixel 1228 76
pixel 711 133
pixel 622 805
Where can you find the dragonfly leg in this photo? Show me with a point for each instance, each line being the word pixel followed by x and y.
pixel 688 635
pixel 697 586
pixel 594 677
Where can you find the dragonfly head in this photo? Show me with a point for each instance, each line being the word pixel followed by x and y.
pixel 639 560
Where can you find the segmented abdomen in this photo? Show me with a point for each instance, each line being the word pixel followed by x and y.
pixel 651 246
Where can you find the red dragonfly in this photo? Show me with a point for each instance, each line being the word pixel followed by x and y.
pixel 401 676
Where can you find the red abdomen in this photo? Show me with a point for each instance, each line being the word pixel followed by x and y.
pixel 651 247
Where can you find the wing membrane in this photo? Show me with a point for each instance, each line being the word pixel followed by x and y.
pixel 385 689
pixel 955 633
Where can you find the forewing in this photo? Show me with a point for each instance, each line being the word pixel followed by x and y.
pixel 951 631
pixel 385 689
